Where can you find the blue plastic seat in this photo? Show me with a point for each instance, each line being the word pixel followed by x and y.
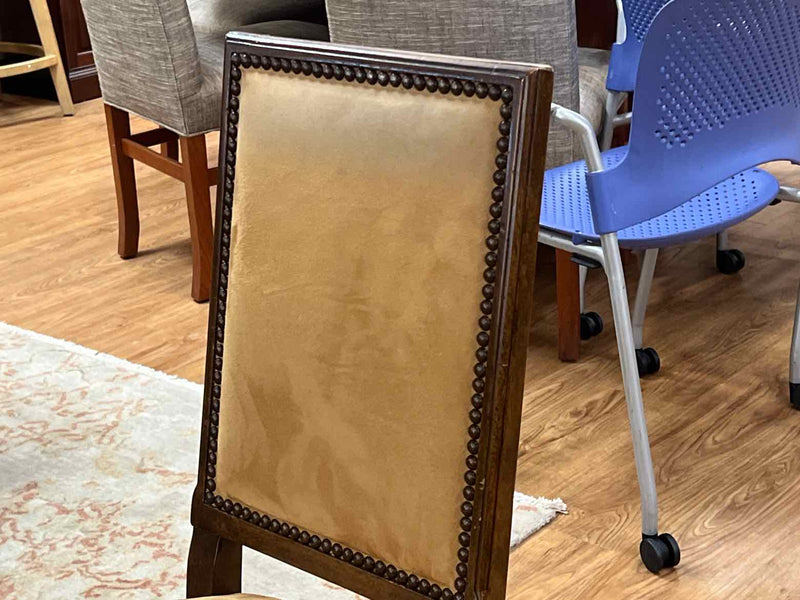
pixel 566 207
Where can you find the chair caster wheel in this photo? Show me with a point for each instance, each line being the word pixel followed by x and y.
pixel 660 552
pixel 794 394
pixel 648 361
pixel 730 262
pixel 591 325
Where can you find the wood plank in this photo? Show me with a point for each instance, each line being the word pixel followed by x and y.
pixel 725 442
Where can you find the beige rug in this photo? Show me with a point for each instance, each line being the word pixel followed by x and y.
pixel 97 468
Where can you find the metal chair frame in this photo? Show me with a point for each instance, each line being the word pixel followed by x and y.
pixel 629 325
pixel 629 329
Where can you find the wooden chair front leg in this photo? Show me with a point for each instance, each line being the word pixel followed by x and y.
pixel 214 567
pixel 569 307
pixel 119 128
pixel 198 198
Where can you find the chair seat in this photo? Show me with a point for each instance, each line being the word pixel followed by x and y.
pixel 221 16
pixel 592 74
pixel 566 209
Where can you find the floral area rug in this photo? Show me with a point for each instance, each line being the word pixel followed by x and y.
pixel 98 461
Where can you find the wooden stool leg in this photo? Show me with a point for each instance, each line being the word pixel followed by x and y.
pixel 44 25
pixel 198 198
pixel 569 307
pixel 119 128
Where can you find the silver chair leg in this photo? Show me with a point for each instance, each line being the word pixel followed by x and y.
pixel 722 241
pixel 613 102
pixel 794 361
pixel 630 378
pixel 648 267
pixel 583 271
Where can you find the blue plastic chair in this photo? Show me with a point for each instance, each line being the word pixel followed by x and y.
pixel 637 16
pixel 717 93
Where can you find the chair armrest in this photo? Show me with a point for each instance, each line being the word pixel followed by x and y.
pixel 580 125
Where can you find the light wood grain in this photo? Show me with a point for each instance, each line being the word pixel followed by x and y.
pixel 27 66
pixel 725 442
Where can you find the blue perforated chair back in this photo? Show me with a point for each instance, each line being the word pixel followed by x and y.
pixel 639 15
pixel 718 92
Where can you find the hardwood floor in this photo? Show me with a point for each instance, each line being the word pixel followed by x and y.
pixel 726 444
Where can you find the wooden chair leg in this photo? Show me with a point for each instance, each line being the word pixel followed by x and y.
pixel 170 149
pixel 228 568
pixel 119 128
pixel 44 25
pixel 214 567
pixel 569 308
pixel 198 198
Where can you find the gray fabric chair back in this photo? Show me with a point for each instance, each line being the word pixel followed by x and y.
pixel 147 58
pixel 541 31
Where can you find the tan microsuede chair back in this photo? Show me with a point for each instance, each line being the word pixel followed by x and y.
pixel 375 251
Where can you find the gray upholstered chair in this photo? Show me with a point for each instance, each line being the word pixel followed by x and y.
pixel 525 30
pixel 153 63
pixel 592 75
pixel 543 31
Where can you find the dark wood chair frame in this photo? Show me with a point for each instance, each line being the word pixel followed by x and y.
pixel 221 527
pixel 193 171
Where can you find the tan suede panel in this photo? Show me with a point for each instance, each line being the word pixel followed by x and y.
pixel 359 222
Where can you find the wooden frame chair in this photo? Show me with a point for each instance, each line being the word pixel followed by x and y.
pixel 153 63
pixel 368 329
pixel 44 56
